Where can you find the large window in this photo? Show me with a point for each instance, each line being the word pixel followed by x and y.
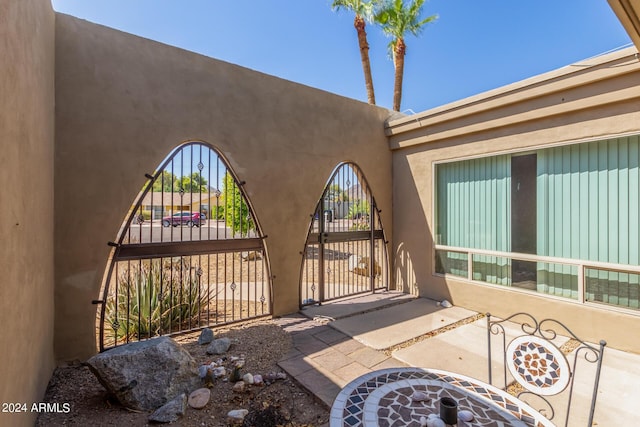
pixel 572 211
pixel 473 211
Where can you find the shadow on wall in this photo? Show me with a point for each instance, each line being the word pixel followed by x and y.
pixel 413 237
pixel 405 275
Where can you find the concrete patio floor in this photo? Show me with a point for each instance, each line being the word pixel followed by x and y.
pixel 339 341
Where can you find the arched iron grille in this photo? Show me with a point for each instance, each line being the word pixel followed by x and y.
pixel 346 251
pixel 189 255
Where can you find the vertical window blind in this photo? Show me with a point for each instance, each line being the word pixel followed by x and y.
pixel 587 207
pixel 473 211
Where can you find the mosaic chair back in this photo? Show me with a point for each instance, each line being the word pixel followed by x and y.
pixel 542 358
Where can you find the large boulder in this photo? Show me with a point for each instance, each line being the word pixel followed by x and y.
pixel 361 265
pixel 145 375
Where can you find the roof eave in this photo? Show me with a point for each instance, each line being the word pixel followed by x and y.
pixel 628 12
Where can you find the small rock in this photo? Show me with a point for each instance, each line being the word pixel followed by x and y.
pixel 219 372
pixel 199 398
pixel 170 411
pixel 257 379
pixel 202 370
pixel 219 346
pixel 235 375
pixel 237 415
pixel 423 421
pixel 247 378
pixel 274 376
pixel 238 387
pixel 250 256
pixel 435 422
pixel 444 303
pixel 206 336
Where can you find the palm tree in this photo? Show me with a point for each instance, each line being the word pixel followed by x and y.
pixel 365 11
pixel 397 19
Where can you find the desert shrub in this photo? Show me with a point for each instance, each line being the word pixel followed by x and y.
pixel 154 298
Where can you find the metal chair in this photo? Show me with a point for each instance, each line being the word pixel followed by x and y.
pixel 538 365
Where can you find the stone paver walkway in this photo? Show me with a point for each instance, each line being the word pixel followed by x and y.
pixel 324 360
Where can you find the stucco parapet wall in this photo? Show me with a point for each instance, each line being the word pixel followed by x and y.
pixel 591 83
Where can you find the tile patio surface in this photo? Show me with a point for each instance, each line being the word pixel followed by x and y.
pixel 386 328
pixel 341 345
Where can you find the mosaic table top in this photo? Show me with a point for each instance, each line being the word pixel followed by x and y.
pixel 383 398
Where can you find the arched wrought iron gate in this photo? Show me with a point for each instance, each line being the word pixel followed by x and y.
pixel 346 250
pixel 189 255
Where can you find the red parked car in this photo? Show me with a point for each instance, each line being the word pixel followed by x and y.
pixel 185 218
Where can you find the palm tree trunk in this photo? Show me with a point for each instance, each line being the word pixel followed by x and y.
pixel 398 62
pixel 364 57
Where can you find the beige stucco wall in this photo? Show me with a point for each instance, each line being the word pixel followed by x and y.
pixel 597 98
pixel 124 102
pixel 26 203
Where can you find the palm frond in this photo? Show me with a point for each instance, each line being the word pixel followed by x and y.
pixel 365 9
pixel 397 18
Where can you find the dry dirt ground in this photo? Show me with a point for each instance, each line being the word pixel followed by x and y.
pixel 261 342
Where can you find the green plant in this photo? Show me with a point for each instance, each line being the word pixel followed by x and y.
pixel 154 298
pixel 217 212
pixel 236 211
pixel 359 212
pixel 358 209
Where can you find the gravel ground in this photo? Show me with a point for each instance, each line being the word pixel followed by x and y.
pixel 260 341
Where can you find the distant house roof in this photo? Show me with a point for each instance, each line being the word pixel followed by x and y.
pixel 177 199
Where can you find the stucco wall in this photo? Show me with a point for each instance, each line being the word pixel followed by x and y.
pixel 596 98
pixel 26 203
pixel 123 103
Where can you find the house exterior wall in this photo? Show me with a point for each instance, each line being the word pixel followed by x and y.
pixel 124 103
pixel 26 203
pixel 591 100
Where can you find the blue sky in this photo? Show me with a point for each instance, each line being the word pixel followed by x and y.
pixel 474 46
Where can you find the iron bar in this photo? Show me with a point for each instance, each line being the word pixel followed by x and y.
pixel 344 236
pixel 198 247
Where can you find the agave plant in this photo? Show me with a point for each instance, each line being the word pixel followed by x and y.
pixel 153 299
